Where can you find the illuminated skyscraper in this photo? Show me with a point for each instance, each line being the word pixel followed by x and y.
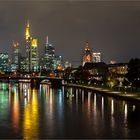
pixel 28 47
pixel 87 54
pixel 15 56
pixel 31 51
pixel 49 56
pixel 96 57
pixel 3 62
pixel 27 31
pixel 34 55
pixel 15 47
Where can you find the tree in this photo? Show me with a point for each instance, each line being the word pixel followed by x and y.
pixel 81 74
pixel 133 74
pixel 110 79
pixel 67 72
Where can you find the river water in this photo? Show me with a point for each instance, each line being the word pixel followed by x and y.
pixel 64 113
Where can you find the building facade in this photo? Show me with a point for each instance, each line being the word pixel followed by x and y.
pixel 58 62
pixel 4 67
pixel 96 56
pixel 34 56
pixel 23 64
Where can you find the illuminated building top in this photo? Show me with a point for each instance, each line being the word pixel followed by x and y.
pixel 87 48
pixel 47 40
pixel 34 42
pixel 27 30
pixel 15 44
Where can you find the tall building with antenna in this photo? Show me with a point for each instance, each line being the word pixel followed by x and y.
pixel 49 55
pixel 87 57
pixel 28 47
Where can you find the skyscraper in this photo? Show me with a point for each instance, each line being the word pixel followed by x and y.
pixel 31 51
pixel 15 56
pixel 49 56
pixel 4 62
pixel 34 55
pixel 28 47
pixel 87 54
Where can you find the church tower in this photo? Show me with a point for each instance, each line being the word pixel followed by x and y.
pixel 87 54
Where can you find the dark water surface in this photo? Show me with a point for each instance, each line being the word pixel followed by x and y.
pixel 64 113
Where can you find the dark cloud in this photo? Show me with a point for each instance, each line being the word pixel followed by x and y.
pixel 111 27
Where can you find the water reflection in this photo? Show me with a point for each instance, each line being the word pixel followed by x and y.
pixel 51 101
pixel 3 102
pixel 31 116
pixel 60 99
pixel 82 95
pixel 125 112
pixel 125 119
pixel 16 110
pixel 102 107
pixel 134 107
pixel 112 117
pixel 112 107
pixel 64 113
pixel 95 107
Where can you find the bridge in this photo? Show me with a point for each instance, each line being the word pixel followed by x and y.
pixel 34 80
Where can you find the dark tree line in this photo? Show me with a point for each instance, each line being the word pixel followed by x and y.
pixel 133 74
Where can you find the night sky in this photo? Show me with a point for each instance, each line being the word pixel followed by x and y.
pixel 110 27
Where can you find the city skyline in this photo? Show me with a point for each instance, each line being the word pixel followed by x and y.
pixel 69 69
pixel 108 27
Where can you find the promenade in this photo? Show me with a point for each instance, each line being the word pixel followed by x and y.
pixel 129 96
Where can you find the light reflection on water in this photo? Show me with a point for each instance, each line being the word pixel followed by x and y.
pixel 64 113
pixel 16 110
pixel 31 116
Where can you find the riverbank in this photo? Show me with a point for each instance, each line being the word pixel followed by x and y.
pixel 129 96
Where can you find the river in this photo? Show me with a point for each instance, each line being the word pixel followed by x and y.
pixel 64 113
